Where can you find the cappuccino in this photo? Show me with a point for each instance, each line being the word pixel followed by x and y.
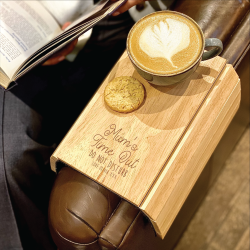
pixel 165 43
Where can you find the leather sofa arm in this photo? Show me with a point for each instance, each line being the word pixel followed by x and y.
pixel 79 209
pixel 85 216
pixel 238 43
pixel 215 18
pixel 115 231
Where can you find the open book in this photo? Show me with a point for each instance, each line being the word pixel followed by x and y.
pixel 29 34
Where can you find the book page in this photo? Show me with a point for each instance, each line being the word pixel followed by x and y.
pixel 58 44
pixel 25 26
pixel 92 10
pixel 98 12
pixel 67 11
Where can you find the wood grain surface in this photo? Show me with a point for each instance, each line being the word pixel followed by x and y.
pixel 169 192
pixel 153 156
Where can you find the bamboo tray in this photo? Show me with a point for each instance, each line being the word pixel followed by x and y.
pixel 153 156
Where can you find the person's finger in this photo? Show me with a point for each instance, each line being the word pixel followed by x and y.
pixel 66 25
pixel 61 54
pixel 54 60
pixel 126 6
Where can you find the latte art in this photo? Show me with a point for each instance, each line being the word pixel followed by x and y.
pixel 165 39
pixel 165 43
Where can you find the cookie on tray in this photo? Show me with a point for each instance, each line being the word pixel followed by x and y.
pixel 124 94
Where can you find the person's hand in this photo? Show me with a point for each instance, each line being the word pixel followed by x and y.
pixel 61 54
pixel 126 6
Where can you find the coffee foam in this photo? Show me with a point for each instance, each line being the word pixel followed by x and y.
pixel 165 43
pixel 165 39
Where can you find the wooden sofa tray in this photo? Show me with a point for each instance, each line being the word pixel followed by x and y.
pixel 153 156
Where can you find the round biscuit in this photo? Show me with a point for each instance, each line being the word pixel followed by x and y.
pixel 124 94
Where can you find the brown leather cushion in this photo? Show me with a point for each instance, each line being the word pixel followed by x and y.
pixel 79 209
pixel 216 18
pixel 85 216
pixel 238 43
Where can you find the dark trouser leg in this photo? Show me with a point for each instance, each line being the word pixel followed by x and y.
pixel 28 173
pixel 9 237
